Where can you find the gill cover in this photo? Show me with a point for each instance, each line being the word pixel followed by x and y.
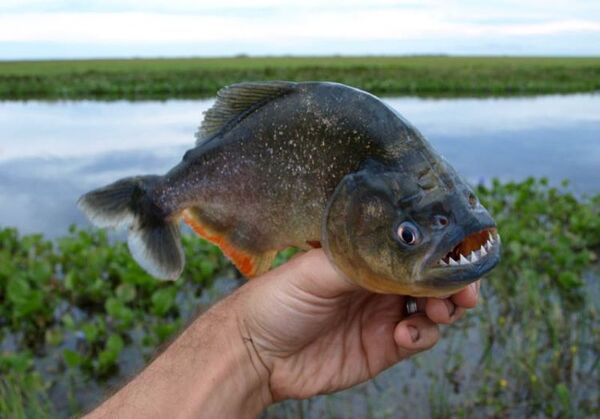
pixel 357 234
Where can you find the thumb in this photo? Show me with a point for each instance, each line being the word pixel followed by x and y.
pixel 314 273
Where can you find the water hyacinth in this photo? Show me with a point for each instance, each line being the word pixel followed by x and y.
pixel 78 312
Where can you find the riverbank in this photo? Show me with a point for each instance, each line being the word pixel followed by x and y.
pixel 140 79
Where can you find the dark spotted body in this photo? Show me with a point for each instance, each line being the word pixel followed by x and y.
pixel 280 164
pixel 269 177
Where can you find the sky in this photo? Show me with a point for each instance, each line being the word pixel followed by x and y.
pixel 41 29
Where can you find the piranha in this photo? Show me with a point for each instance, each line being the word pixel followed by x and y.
pixel 314 164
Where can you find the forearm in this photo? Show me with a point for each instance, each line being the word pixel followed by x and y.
pixel 209 371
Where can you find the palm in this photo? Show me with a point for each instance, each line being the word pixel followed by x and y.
pixel 350 341
pixel 317 333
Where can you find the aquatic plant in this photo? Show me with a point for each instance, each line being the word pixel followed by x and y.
pixel 78 312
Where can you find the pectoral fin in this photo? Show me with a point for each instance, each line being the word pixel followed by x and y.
pixel 250 264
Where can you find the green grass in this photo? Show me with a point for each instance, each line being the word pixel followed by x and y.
pixel 24 396
pixel 80 307
pixel 198 77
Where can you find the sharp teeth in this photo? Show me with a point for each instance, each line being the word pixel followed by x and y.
pixel 463 260
pixel 474 257
pixel 488 245
pixel 442 263
pixel 452 262
pixel 482 251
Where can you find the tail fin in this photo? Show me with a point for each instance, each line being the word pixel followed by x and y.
pixel 153 240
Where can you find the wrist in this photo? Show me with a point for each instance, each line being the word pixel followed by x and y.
pixel 238 381
pixel 256 374
pixel 208 371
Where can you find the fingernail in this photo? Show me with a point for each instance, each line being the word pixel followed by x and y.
pixel 414 333
pixel 451 308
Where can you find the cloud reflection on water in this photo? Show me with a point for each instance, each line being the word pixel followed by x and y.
pixel 50 153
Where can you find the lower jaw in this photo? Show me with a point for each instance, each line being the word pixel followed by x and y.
pixel 445 288
pixel 447 282
pixel 423 290
pixel 415 289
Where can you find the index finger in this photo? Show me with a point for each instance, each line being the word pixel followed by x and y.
pixel 468 296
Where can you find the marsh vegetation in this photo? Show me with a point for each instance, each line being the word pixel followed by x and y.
pixel 78 316
pixel 78 313
pixel 200 77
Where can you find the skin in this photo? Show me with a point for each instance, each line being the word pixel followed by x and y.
pixel 361 229
pixel 298 331
pixel 311 164
pixel 291 172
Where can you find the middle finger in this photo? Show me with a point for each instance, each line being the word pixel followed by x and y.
pixel 442 310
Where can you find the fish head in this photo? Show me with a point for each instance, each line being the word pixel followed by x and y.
pixel 410 232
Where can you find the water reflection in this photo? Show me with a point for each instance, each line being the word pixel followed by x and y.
pixel 50 153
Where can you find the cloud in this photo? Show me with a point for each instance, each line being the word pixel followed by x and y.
pixel 140 27
pixel 278 27
pixel 195 6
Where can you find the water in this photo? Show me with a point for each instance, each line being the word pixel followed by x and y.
pixel 52 152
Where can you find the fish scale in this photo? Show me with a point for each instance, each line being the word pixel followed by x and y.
pixel 280 164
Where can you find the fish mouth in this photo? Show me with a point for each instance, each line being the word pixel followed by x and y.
pixel 469 259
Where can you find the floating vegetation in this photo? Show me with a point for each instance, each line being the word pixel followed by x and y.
pixel 78 312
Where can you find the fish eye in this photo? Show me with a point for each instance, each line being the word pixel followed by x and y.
pixel 408 233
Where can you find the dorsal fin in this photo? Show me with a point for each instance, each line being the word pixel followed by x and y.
pixel 238 100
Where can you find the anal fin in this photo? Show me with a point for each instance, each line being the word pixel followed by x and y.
pixel 250 264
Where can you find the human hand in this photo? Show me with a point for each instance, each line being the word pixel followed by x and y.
pixel 313 332
pixel 297 331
